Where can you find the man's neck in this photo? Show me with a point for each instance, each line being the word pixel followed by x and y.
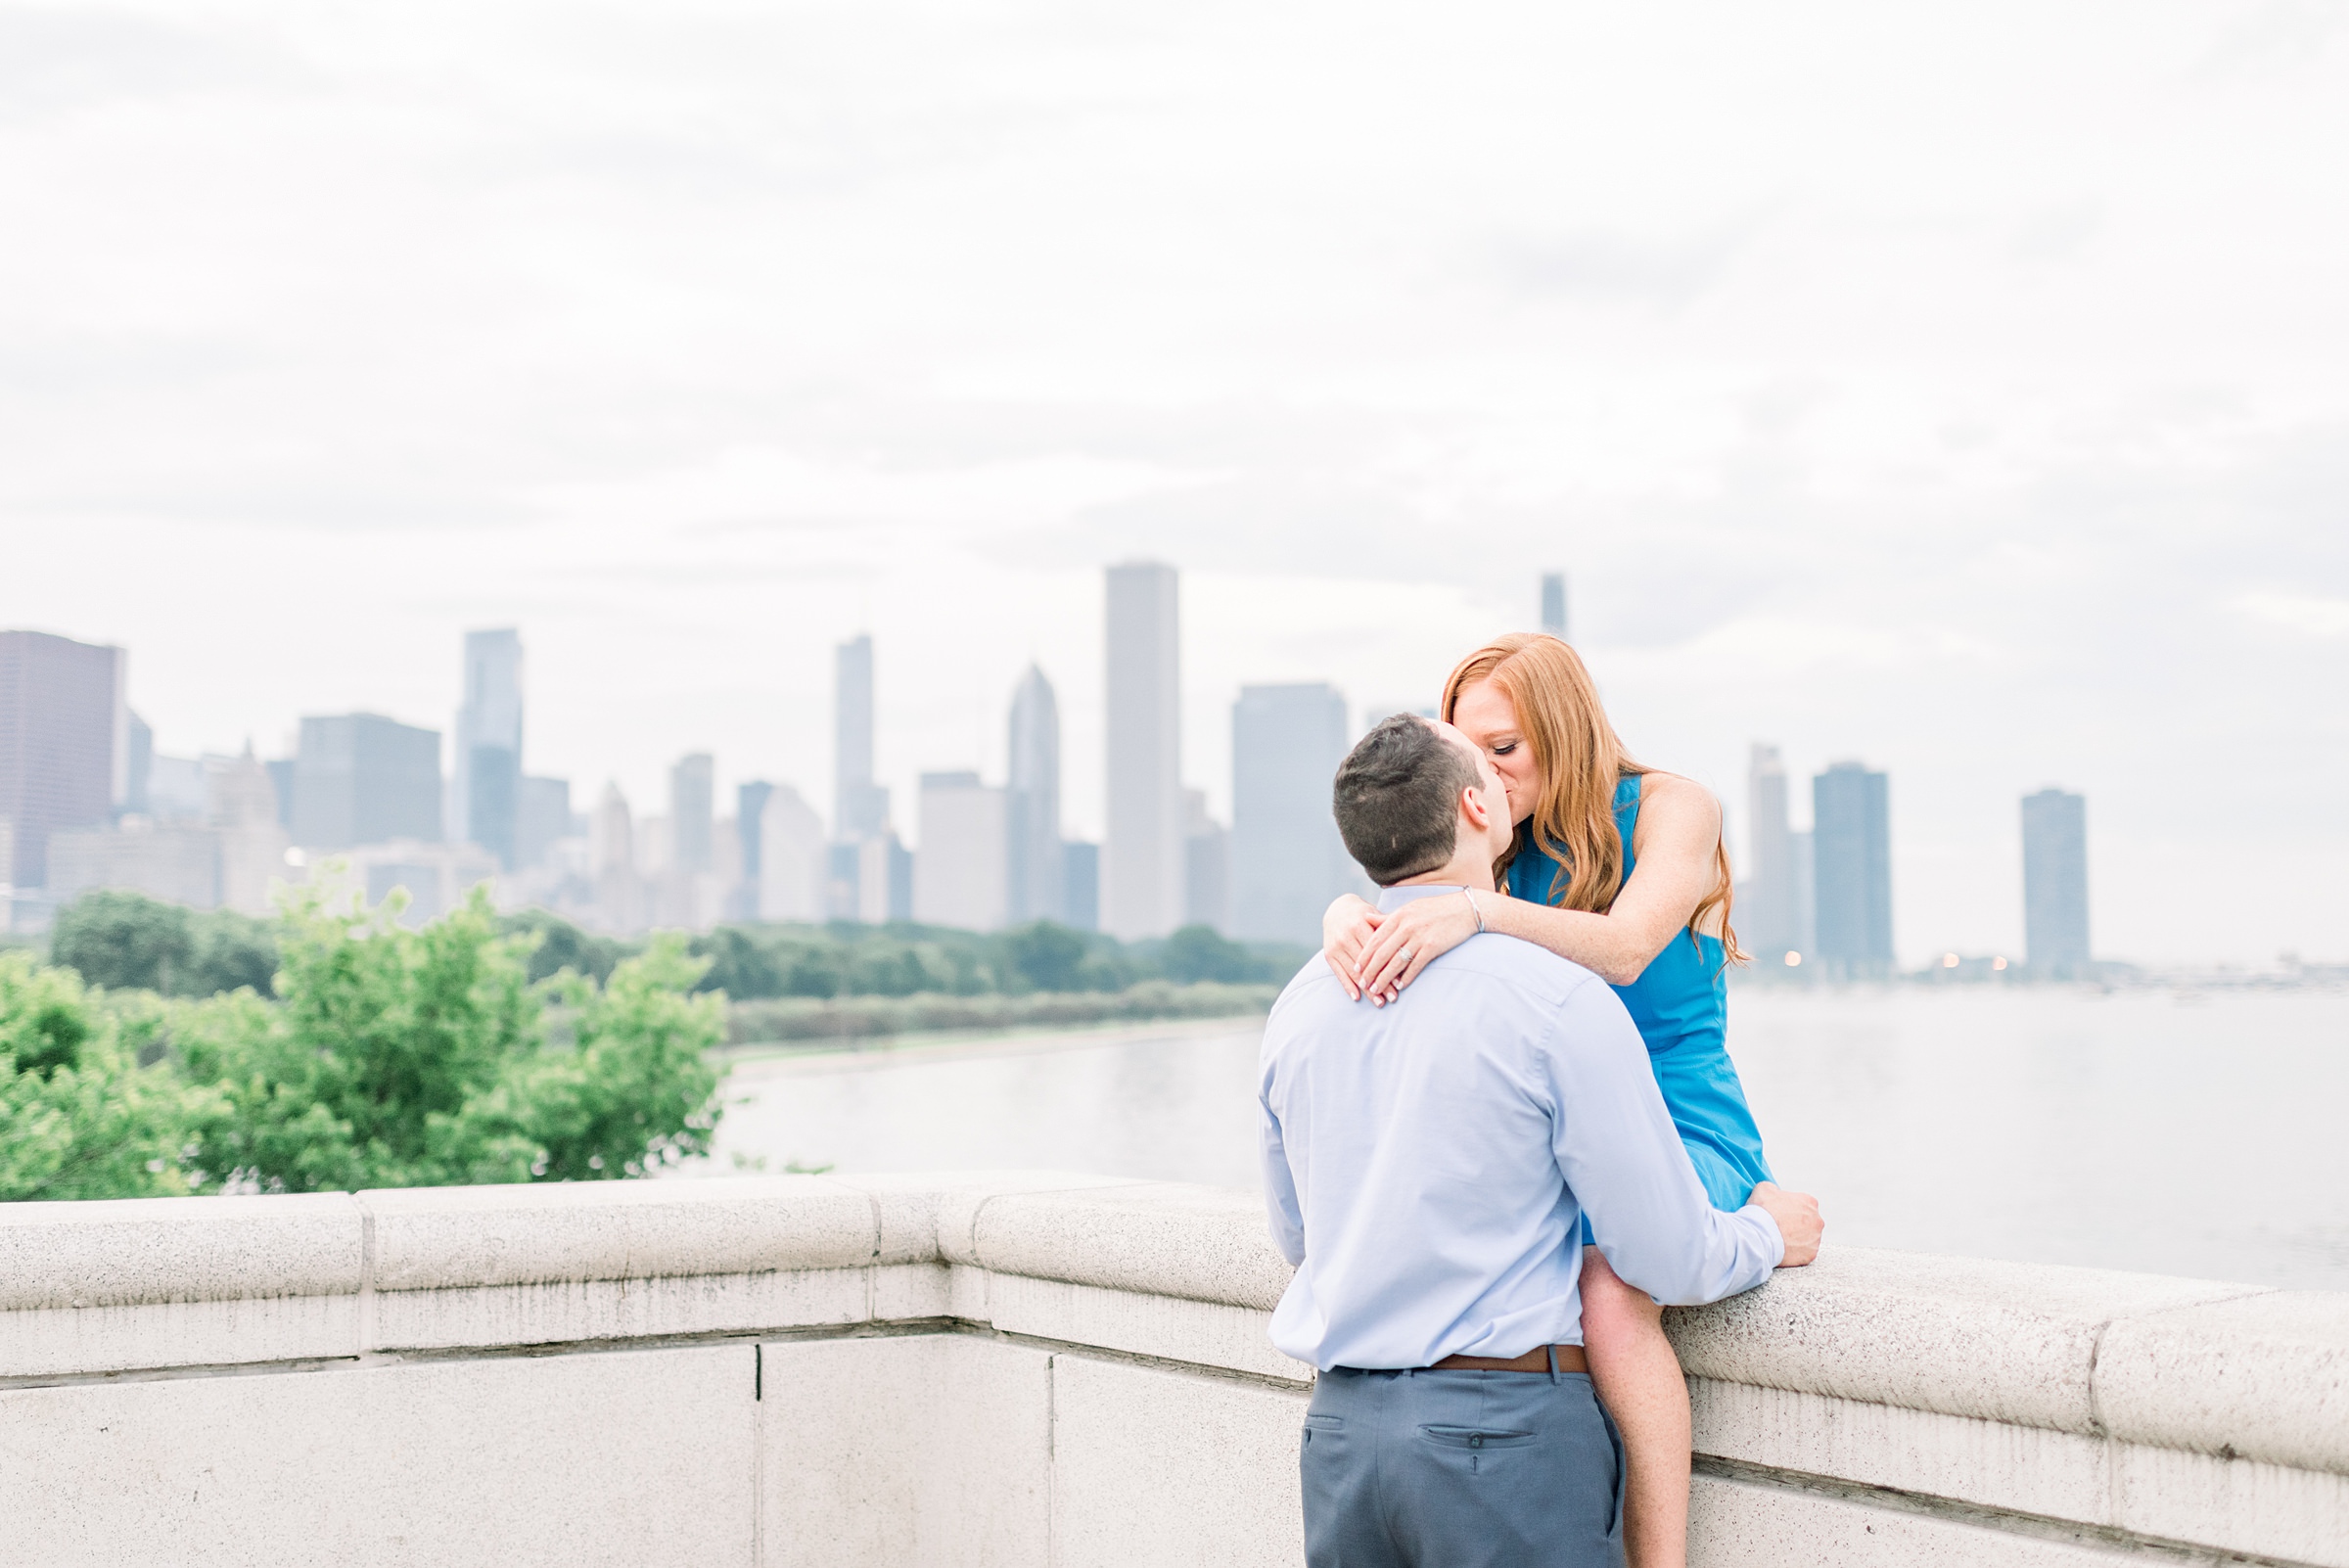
pixel 1461 871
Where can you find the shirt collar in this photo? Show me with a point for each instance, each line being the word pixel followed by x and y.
pixel 1391 899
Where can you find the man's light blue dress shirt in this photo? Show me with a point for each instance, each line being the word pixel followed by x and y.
pixel 1427 1164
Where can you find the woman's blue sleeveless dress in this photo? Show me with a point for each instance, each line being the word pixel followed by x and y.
pixel 1680 1003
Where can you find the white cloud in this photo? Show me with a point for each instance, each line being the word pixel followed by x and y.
pixel 2310 616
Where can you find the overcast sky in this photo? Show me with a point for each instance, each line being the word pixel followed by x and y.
pixel 1959 389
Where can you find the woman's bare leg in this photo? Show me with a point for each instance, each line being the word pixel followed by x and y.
pixel 1638 1377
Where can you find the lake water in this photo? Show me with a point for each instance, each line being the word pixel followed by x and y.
pixel 2143 1130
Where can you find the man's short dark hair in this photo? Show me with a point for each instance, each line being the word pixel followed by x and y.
pixel 1396 798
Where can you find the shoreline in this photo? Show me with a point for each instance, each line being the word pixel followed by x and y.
pixel 784 1058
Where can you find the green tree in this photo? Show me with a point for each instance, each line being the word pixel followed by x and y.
pixel 413 1058
pixel 738 965
pixel 638 1091
pixel 123 941
pixel 562 946
pixel 1049 956
pixel 1197 952
pixel 814 971
pixel 230 950
pixel 78 1116
pixel 890 969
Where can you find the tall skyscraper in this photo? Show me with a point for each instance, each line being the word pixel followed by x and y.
pixel 612 845
pixel 1081 885
pixel 65 744
pixel 859 807
pixel 139 736
pixel 843 898
pixel 884 879
pixel 2056 883
pixel 750 818
pixel 485 769
pixel 241 809
pixel 1553 604
pixel 361 779
pixel 612 834
pixel 789 876
pixel 1033 801
pixel 1141 854
pixel 961 871
pixel 1805 895
pixel 1205 866
pixel 750 832
pixel 282 775
pixel 1766 907
pixel 692 808
pixel 542 817
pixel 1287 859
pixel 1852 846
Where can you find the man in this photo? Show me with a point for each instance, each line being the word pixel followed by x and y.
pixel 1428 1166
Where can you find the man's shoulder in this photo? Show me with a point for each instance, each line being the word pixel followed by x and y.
pixel 1313 988
pixel 1488 967
pixel 1525 967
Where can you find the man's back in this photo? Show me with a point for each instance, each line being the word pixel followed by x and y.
pixel 1429 1161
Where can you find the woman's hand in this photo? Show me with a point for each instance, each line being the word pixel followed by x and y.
pixel 1408 938
pixel 1347 926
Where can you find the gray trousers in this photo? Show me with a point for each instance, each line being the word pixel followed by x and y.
pixel 1460 1470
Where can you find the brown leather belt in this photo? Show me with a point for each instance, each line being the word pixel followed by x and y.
pixel 1570 1360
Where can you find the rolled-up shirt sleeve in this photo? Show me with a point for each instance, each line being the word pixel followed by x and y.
pixel 1622 1160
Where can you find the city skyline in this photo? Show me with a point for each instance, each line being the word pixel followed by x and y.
pixel 374 793
pixel 1944 805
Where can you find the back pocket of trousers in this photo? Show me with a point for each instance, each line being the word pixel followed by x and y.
pixel 1474 1437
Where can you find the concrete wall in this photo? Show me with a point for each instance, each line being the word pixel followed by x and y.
pixel 1035 1369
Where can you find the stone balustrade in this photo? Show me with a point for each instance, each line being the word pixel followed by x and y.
pixel 1036 1369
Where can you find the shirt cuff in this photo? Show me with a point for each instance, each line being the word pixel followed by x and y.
pixel 1770 1229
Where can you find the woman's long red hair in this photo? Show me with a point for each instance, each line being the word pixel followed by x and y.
pixel 1581 760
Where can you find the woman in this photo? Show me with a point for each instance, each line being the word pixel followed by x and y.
pixel 1622 870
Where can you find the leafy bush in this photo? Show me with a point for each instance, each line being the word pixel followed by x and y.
pixel 78 1116
pixel 415 1058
